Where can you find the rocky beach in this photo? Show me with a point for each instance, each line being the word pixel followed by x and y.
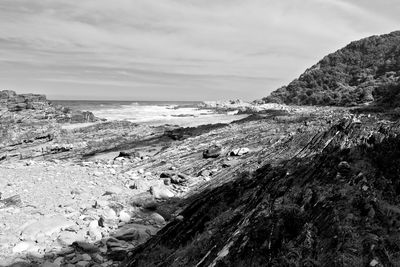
pixel 81 191
pixel 278 184
pixel 87 192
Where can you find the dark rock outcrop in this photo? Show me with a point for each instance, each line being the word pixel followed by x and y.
pixel 362 72
pixel 212 152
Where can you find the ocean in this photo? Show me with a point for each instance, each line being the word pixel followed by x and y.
pixel 151 112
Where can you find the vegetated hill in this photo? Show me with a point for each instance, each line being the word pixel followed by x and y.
pixel 364 71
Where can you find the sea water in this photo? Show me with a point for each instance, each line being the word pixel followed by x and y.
pixel 151 112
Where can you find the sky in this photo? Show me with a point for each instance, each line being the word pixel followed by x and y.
pixel 175 49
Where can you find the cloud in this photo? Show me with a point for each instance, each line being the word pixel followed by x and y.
pixel 175 46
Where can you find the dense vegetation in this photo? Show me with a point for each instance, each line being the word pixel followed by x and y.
pixel 364 71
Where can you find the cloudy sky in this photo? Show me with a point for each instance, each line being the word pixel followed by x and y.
pixel 175 49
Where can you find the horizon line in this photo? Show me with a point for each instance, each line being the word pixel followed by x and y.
pixel 116 100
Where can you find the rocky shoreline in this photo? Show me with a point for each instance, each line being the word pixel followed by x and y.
pixel 90 196
pixel 283 185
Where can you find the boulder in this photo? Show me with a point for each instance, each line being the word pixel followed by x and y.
pixel 82 264
pixel 161 192
pixel 109 215
pixel 178 179
pixel 128 155
pixel 67 237
pixel 113 190
pixel 82 116
pixel 86 257
pixel 157 218
pixel 166 175
pixel 49 264
pixel 344 167
pixel 144 200
pixel 24 246
pixel 240 151
pixel 94 230
pixel 34 98
pixel 16 106
pixel 46 226
pixel 7 94
pixel 124 216
pixel 135 232
pixel 212 152
pixel 86 247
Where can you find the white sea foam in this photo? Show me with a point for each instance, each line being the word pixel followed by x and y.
pixel 162 114
pixel 144 113
pixel 152 112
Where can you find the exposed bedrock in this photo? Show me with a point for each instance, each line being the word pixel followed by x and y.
pixel 30 120
pixel 333 203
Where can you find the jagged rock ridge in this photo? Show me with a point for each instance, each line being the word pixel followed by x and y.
pixel 364 71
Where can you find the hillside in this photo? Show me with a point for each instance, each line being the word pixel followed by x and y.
pixel 364 71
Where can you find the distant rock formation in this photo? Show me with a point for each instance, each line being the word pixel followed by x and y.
pixel 10 101
pixel 40 108
pixel 365 71
pixel 232 107
pixel 32 119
